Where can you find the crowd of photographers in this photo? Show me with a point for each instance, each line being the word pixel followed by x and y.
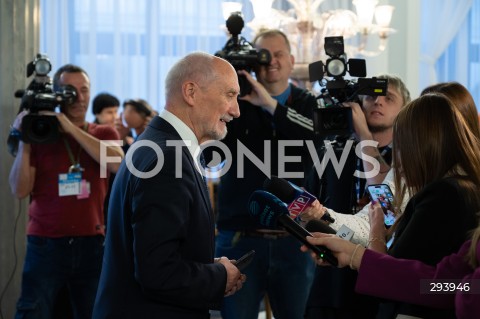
pixel 57 164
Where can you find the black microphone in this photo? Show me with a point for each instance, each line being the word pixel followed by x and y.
pixel 316 226
pixel 271 212
pixel 296 198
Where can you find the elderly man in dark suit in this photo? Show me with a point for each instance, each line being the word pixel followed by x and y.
pixel 160 236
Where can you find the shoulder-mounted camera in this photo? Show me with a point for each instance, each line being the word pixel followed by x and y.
pixel 240 53
pixel 41 96
pixel 331 118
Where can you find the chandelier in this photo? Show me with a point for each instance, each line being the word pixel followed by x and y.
pixel 306 27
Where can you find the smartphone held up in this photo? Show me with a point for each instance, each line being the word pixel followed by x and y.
pixel 383 194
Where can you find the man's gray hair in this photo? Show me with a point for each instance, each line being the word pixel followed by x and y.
pixel 196 66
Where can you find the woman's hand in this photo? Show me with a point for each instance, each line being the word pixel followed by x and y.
pixel 377 220
pixel 314 211
pixel 378 231
pixel 347 253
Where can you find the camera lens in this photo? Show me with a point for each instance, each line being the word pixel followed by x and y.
pixel 42 66
pixel 41 127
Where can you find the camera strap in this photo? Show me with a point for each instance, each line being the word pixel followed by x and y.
pixel 75 167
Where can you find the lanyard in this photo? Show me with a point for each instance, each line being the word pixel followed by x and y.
pixel 385 150
pixel 75 163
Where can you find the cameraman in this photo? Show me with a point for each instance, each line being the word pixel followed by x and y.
pixel 65 228
pixel 275 110
pixel 332 292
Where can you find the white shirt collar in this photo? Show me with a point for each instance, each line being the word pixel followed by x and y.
pixel 183 130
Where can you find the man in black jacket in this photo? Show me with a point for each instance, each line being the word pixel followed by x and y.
pixel 275 121
pixel 159 248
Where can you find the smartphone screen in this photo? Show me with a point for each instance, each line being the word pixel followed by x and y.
pixel 383 194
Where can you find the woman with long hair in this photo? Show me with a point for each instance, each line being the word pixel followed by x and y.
pixel 437 157
pixel 360 222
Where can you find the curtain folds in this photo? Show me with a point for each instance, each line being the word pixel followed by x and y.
pixel 435 36
pixel 127 47
pixel 461 60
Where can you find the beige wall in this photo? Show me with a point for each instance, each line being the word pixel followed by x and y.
pixel 18 45
pixel 402 54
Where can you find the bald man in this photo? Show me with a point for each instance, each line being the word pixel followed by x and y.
pixel 159 253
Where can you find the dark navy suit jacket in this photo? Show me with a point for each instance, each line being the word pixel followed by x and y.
pixel 159 249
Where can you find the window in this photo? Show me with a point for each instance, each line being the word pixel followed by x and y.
pixel 127 47
pixel 461 60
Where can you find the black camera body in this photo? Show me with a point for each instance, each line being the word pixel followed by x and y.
pixel 331 118
pixel 240 53
pixel 40 96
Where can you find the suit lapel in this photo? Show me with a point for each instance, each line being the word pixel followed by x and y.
pixel 159 123
pixel 200 183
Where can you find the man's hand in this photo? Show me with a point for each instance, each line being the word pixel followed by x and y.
pixel 259 95
pixel 235 279
pixel 122 130
pixel 88 142
pixel 65 124
pixel 360 125
pixel 363 133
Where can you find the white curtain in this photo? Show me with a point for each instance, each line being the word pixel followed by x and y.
pixel 127 47
pixel 440 24
pixel 461 60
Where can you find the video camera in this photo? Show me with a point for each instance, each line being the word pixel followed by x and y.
pixel 240 53
pixel 41 96
pixel 331 118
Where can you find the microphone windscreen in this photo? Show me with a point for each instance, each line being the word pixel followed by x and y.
pixel 235 24
pixel 271 212
pixel 266 208
pixel 281 188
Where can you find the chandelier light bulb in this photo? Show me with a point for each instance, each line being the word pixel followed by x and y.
pixel 261 8
pixel 383 15
pixel 307 25
pixel 365 11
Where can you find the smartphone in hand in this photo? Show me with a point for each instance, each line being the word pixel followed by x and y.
pixel 383 194
pixel 245 260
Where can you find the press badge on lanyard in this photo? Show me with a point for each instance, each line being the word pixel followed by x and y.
pixel 72 183
pixel 69 184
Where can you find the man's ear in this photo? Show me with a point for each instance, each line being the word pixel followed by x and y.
pixel 189 92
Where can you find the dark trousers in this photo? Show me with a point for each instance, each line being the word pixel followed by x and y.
pixel 54 263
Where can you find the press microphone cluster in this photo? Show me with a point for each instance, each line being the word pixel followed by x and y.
pixel 272 213
pixel 295 197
